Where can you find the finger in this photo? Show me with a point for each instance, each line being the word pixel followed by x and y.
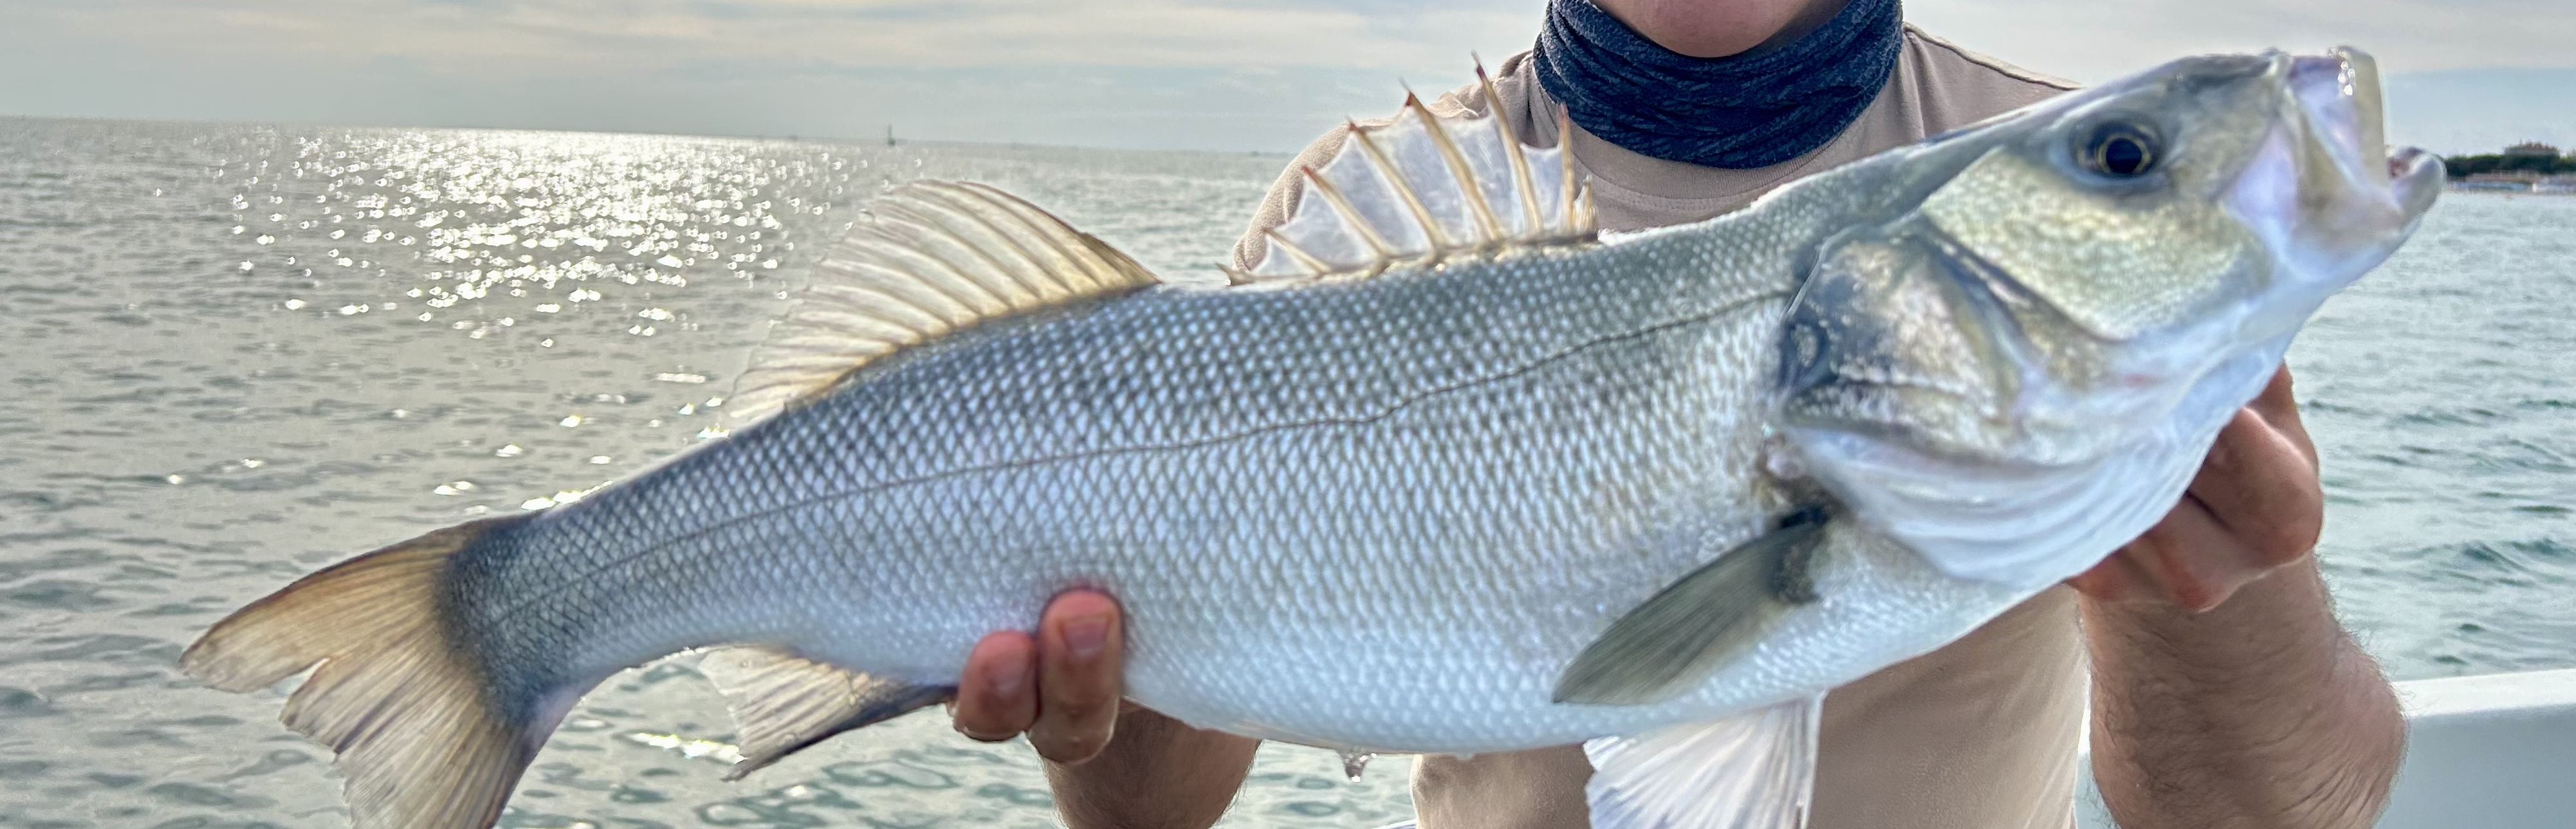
pixel 2118 578
pixel 1080 651
pixel 994 698
pixel 2193 560
pixel 2279 406
pixel 2262 487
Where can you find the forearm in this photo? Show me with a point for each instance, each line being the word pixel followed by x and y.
pixel 1155 774
pixel 2260 712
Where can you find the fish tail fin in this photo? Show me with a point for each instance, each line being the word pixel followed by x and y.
pixel 422 743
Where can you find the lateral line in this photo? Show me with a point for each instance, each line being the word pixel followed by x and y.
pixel 1384 412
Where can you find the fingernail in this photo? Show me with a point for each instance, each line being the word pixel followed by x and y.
pixel 1010 677
pixel 1086 637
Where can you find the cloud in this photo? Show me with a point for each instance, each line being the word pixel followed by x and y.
pixel 1215 74
pixel 2098 41
pixel 2462 111
pixel 2091 41
pixel 589 37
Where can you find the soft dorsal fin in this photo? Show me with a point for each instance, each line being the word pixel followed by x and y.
pixel 929 258
pixel 1421 189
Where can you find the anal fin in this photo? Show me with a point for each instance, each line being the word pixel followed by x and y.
pixel 783 702
pixel 1756 771
pixel 1699 623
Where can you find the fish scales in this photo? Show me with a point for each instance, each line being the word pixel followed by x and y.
pixel 1407 460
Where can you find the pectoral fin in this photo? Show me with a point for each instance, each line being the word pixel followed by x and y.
pixel 1698 623
pixel 783 702
pixel 1756 771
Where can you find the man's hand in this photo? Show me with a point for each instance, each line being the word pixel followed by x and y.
pixel 2255 507
pixel 1112 763
pixel 2224 692
pixel 1060 687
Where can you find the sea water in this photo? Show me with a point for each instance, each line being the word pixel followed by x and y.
pixel 236 353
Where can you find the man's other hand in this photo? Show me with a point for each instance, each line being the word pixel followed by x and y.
pixel 2255 507
pixel 1061 687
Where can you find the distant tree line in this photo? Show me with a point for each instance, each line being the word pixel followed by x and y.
pixel 2463 166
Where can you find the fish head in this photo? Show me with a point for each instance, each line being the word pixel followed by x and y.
pixel 2020 370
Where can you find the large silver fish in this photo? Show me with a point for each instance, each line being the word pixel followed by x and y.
pixel 1445 474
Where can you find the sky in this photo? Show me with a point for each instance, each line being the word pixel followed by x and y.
pixel 1223 75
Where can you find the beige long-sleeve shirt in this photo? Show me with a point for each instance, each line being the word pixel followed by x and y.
pixel 1980 734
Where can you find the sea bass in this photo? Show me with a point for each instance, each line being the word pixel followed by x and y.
pixel 1445 473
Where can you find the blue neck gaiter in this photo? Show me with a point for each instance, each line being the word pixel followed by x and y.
pixel 1739 112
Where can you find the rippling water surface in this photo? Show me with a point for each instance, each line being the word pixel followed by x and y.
pixel 236 353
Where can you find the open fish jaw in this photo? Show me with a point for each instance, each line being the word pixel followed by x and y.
pixel 2073 335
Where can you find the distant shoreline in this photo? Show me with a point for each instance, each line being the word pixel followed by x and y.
pixel 2515 188
pixel 2529 167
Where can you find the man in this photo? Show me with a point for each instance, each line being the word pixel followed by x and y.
pixel 2223 692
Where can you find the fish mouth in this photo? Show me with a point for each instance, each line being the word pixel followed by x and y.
pixel 2340 93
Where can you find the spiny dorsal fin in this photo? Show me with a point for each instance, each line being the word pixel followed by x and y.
pixel 930 258
pixel 783 702
pixel 1421 189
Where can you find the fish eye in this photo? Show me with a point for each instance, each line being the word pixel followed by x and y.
pixel 2119 150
